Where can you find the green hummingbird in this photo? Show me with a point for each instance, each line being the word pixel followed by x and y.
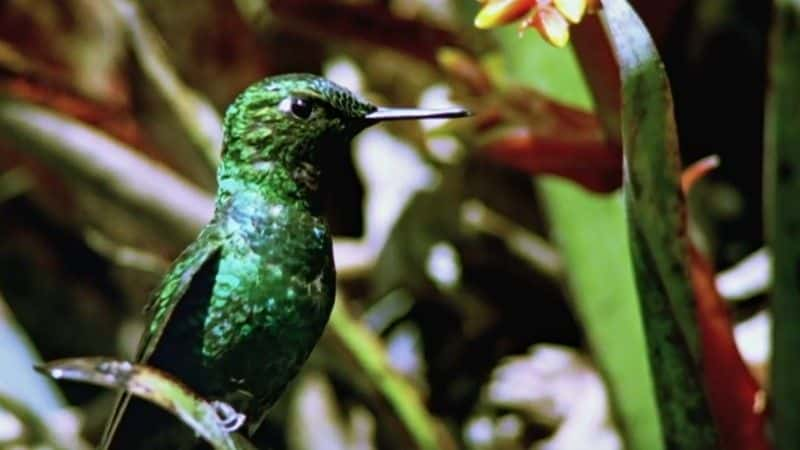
pixel 242 307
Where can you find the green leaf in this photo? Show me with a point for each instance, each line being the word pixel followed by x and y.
pixel 656 218
pixel 159 388
pixel 368 352
pixel 782 189
pixel 553 71
pixel 590 231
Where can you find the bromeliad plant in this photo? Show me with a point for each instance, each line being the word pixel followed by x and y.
pixel 705 395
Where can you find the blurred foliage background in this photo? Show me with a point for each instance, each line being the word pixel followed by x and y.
pixel 487 299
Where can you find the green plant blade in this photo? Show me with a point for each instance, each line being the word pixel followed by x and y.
pixel 782 189
pixel 154 386
pixel 604 298
pixel 656 218
pixel 368 352
pixel 599 274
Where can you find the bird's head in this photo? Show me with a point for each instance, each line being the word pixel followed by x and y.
pixel 285 124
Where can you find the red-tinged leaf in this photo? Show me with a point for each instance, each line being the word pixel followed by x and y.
pixel 534 134
pixel 590 162
pixel 525 130
pixel 24 29
pixel 601 71
pixel 113 167
pixel 736 399
pixel 696 171
pixel 596 58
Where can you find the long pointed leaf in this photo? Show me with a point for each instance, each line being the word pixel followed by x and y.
pixel 782 189
pixel 658 243
pixel 599 272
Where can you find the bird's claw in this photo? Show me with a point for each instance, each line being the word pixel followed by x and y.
pixel 230 419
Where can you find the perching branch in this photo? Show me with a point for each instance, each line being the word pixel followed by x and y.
pixel 215 422
pixel 140 184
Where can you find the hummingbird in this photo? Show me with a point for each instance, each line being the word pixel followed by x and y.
pixel 243 306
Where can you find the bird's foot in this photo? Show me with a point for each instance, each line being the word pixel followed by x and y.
pixel 230 419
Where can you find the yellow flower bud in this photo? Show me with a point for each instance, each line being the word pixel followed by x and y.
pixel 500 12
pixel 550 23
pixel 572 10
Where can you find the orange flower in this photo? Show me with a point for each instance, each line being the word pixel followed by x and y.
pixel 572 10
pixel 551 18
pixel 501 12
pixel 550 23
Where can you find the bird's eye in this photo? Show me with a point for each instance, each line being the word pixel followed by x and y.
pixel 298 107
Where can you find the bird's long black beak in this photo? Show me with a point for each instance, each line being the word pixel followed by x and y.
pixel 382 114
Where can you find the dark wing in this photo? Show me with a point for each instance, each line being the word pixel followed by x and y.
pixel 198 256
